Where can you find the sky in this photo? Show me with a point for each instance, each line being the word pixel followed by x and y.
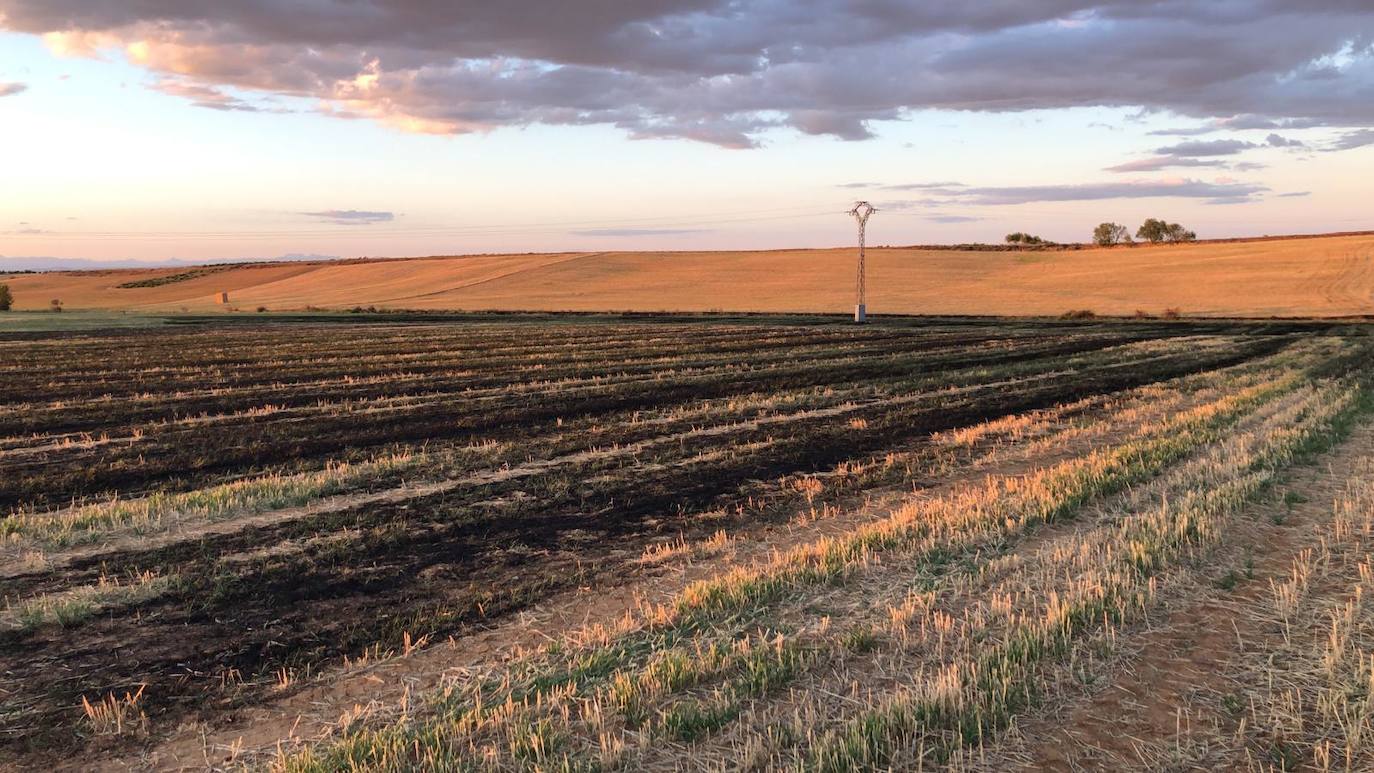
pixel 196 130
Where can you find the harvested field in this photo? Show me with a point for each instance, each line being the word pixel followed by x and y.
pixel 708 543
pixel 1326 276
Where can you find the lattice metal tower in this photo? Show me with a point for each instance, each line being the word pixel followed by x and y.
pixel 860 212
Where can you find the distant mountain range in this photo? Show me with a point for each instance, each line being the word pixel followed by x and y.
pixel 89 264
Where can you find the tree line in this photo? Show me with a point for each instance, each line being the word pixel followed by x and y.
pixel 1152 230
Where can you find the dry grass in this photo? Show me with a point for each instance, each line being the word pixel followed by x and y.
pixel 70 607
pixel 86 523
pixel 1295 277
pixel 903 642
pixel 895 604
pixel 1306 697
pixel 115 715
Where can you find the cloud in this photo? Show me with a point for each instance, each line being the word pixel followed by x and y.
pixel 897 204
pixel 857 185
pixel 1186 131
pixel 637 231
pixel 351 216
pixel 1251 121
pixel 1204 148
pixel 727 73
pixel 1294 194
pixel 922 186
pixel 1238 123
pixel 203 96
pixel 1157 163
pixel 953 219
pixel 10 89
pixel 1276 141
pixel 1194 152
pixel 1219 192
pixel 1352 140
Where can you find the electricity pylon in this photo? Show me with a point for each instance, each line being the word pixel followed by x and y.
pixel 860 212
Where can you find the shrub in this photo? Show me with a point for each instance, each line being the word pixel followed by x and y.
pixel 183 276
pixel 6 298
pixel 1172 314
pixel 1078 314
pixel 261 309
pixel 1025 239
pixel 55 305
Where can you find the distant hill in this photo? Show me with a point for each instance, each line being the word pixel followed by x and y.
pixel 89 264
pixel 1294 276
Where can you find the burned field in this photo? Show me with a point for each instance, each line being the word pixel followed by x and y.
pixel 895 543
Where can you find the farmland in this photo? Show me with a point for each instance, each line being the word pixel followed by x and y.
pixel 1326 276
pixel 666 542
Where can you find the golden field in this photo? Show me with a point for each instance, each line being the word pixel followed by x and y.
pixel 1297 276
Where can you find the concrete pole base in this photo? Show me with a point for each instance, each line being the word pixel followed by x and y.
pixel 860 313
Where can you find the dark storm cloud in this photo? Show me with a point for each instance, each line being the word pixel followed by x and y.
pixel 351 216
pixel 723 71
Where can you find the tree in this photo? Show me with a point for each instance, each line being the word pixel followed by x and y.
pixel 1178 233
pixel 1152 230
pixel 1023 238
pixel 1156 231
pixel 1107 234
pixel 6 298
